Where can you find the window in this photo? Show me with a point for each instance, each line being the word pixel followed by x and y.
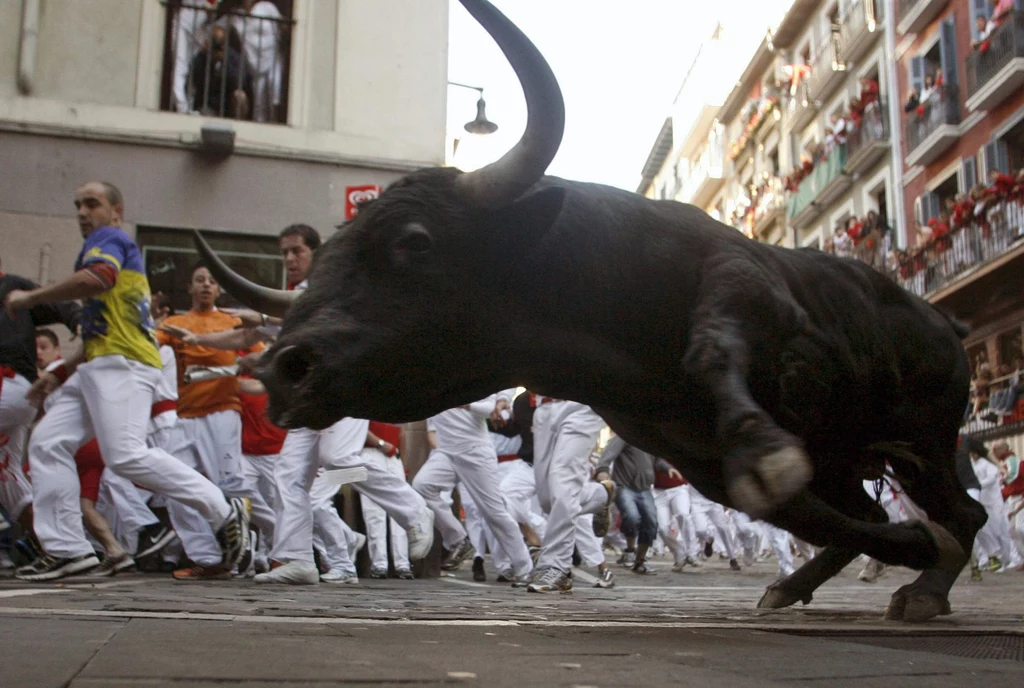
pixel 997 156
pixel 968 174
pixel 933 204
pixel 1013 141
pixel 223 60
pixel 1009 346
pixel 168 256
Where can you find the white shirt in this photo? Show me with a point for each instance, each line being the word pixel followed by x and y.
pixel 465 428
pixel 988 476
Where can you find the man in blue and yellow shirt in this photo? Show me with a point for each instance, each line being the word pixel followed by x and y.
pixel 108 396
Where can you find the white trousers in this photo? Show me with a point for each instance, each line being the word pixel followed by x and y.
pixel 125 508
pixel 215 443
pixel 16 416
pixel 435 481
pixel 564 434
pixel 377 522
pixel 477 530
pixel 779 539
pixel 109 398
pixel 998 530
pixel 519 490
pixel 258 472
pixel 707 514
pixel 476 468
pixel 302 455
pixel 330 532
pixel 748 532
pixel 673 515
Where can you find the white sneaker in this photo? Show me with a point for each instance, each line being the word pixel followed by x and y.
pixel 421 535
pixel 354 547
pixel 339 576
pixel 293 573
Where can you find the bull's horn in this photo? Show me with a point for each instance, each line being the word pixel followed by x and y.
pixel 502 182
pixel 261 299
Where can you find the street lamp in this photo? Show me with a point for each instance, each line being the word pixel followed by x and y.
pixel 480 125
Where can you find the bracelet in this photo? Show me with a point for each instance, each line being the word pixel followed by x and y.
pixel 263 318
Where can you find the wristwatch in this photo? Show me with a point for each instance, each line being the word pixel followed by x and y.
pixel 380 444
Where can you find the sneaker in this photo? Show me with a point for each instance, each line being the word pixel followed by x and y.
pixel 357 544
pixel 421 535
pixel 233 536
pixel 478 570
pixel 506 576
pixel 628 558
pixel 679 566
pixel 734 565
pixel 550 579
pixel 46 568
pixel 643 569
pixel 690 561
pixel 603 518
pixel 405 574
pixel 975 573
pixel 201 573
pixel 994 564
pixel 457 554
pixel 709 548
pixel 153 538
pixel 871 572
pixel 521 581
pixel 378 573
pixel 26 551
pixel 111 566
pixel 340 577
pixel 295 572
pixel 605 578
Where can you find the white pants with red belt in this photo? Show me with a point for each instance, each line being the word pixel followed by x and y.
pixel 564 434
pixel 110 398
pixel 16 416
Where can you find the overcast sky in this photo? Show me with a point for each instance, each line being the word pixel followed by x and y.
pixel 619 65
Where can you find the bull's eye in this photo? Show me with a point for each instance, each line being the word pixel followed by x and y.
pixel 413 239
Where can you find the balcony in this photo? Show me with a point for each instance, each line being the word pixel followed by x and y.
pixel 226 63
pixel 934 127
pixel 869 142
pixel 859 27
pixel 803 109
pixel 827 72
pixel 819 189
pixel 999 71
pixel 706 176
pixel 769 206
pixel 964 252
pixel 914 15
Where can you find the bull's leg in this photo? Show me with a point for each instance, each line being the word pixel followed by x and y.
pixel 948 505
pixel 763 464
pixel 801 584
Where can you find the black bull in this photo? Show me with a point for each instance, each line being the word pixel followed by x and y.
pixel 776 380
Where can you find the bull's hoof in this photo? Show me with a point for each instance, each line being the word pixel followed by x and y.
pixel 776 597
pixel 780 475
pixel 916 606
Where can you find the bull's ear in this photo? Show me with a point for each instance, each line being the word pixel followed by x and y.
pixel 411 245
pixel 530 217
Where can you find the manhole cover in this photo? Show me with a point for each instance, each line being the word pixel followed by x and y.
pixel 973 646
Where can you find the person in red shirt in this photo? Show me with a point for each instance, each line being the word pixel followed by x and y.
pixel 261 446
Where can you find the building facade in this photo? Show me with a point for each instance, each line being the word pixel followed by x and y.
pixel 235 116
pixel 961 67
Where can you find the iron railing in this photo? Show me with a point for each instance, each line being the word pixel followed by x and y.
pixel 825 62
pixel 1004 44
pixel 947 259
pixel 221 61
pixel 710 165
pixel 942 107
pixel 874 126
pixel 857 17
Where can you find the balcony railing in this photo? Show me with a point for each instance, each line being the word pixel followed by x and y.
pixel 869 139
pixel 859 27
pixel 227 63
pixel 814 186
pixel 988 69
pixel 948 259
pixel 771 200
pixel 710 168
pixel 827 71
pixel 940 109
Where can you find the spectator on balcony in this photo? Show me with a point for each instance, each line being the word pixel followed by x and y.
pixel 837 135
pixel 842 243
pixel 259 29
pixel 221 84
pixel 913 101
pixel 869 91
pixel 191 29
pixel 985 28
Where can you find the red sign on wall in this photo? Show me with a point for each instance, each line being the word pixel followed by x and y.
pixel 354 195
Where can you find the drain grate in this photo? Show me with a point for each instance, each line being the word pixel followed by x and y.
pixel 972 646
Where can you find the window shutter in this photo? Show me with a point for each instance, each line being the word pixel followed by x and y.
pixel 928 207
pixel 990 158
pixel 1002 156
pixel 919 210
pixel 968 175
pixel 947 48
pixel 917 72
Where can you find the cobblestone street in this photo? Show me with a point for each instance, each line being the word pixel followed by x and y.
pixel 700 626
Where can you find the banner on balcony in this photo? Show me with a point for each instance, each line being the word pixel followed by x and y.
pixel 354 195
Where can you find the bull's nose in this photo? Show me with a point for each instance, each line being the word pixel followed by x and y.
pixel 292 364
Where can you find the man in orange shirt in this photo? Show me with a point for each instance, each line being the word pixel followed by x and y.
pixel 210 415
